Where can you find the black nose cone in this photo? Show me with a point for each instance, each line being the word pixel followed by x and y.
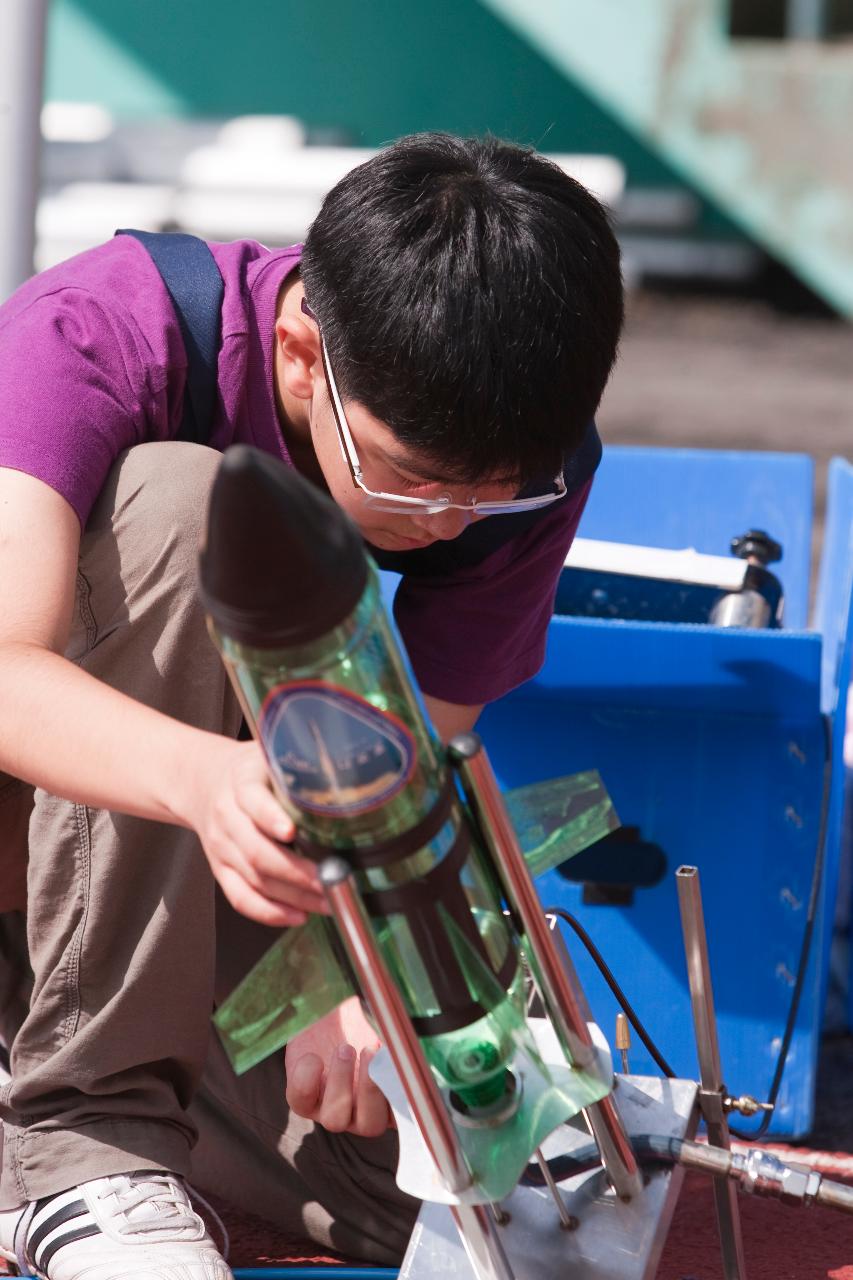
pixel 282 564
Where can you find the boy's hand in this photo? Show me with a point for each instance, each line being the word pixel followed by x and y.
pixel 327 1078
pixel 243 828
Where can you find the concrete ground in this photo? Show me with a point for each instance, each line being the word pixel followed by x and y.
pixel 740 373
pixel 732 373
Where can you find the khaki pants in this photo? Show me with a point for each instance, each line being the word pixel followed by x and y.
pixel 115 1066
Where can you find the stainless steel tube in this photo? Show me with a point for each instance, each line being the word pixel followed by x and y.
pixel 710 1072
pixel 395 1026
pixel 558 942
pixel 617 1154
pixel 566 1219
pixel 699 978
pixel 603 1120
pixel 835 1195
pixel 556 988
pixel 475 1223
pixel 479 1235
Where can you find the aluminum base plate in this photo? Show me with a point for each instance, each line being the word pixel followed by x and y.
pixel 613 1241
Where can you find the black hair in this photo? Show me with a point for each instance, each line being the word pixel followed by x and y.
pixel 470 296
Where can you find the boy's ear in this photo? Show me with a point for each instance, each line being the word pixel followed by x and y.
pixel 300 360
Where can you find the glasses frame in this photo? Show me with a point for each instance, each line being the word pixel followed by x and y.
pixel 401 503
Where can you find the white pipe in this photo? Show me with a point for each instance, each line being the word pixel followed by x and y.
pixel 21 86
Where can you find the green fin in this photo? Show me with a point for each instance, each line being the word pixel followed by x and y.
pixel 299 980
pixel 556 819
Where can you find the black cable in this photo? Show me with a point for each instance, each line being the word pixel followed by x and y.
pixel 614 987
pixel 805 948
pixel 567 1165
pixel 649 1148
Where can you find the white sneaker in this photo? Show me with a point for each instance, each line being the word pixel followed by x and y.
pixel 130 1226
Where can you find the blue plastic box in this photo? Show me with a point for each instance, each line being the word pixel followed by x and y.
pixel 714 743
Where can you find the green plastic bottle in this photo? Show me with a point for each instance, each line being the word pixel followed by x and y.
pixel 295 609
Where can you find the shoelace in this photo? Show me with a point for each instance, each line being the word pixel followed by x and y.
pixel 160 1195
pixel 169 1193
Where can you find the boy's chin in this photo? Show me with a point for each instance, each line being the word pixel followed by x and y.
pixel 388 540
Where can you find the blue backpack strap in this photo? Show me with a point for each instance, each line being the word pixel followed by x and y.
pixel 195 285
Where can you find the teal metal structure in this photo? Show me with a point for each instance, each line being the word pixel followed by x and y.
pixel 759 126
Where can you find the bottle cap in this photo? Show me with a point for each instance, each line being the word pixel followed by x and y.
pixel 282 564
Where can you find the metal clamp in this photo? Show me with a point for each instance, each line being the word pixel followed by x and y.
pixel 746 1105
pixel 763 1174
pixel 712 1104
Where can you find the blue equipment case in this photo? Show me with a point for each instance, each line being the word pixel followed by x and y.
pixel 714 743
pixel 834 620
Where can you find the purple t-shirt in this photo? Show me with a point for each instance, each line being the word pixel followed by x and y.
pixel 92 362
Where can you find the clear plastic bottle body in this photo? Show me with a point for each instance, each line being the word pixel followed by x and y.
pixel 361 660
pixel 356 764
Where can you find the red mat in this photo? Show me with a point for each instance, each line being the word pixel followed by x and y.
pixel 780 1243
pixel 254 1243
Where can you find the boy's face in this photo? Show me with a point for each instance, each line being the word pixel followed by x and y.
pixel 315 441
pixel 389 467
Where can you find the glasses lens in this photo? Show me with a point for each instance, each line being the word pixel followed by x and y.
pixel 405 509
pixel 425 507
pixel 518 505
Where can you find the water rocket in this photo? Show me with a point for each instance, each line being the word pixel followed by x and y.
pixel 294 605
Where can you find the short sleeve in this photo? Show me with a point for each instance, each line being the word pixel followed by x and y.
pixel 74 393
pixel 477 633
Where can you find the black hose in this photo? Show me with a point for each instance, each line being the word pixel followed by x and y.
pixel 660 1151
pixel 622 999
pixel 649 1148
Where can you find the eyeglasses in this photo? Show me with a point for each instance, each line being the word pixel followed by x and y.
pixel 405 504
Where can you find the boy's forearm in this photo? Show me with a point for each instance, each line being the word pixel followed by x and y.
pixel 449 718
pixel 74 736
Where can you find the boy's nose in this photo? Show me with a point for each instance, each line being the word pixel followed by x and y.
pixel 445 525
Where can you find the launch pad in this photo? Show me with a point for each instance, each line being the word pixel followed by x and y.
pixel 607 1239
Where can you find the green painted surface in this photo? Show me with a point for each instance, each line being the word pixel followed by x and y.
pixel 761 128
pixel 376 70
pixel 88 61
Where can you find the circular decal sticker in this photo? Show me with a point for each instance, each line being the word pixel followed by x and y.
pixel 334 753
